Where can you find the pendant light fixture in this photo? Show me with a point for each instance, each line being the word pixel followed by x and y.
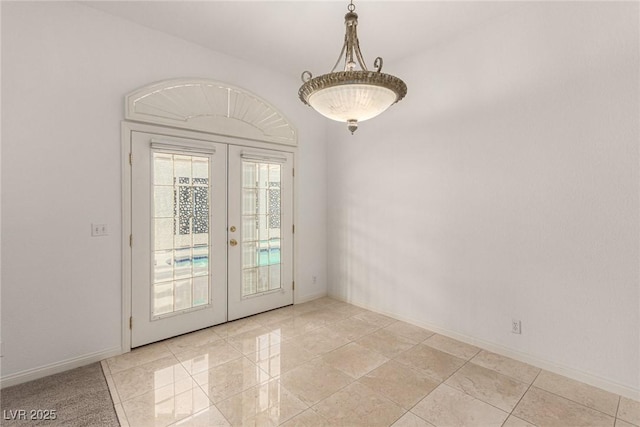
pixel 352 95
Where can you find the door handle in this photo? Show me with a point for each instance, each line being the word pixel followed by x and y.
pixel 233 242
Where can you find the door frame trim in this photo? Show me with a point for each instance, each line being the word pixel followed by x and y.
pixel 127 127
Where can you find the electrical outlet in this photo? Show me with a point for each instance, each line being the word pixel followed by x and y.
pixel 516 326
pixel 99 230
pixel 314 279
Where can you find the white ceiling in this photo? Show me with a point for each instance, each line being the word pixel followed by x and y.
pixel 293 36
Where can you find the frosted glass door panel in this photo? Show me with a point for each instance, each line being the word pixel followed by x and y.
pixel 260 233
pixel 181 233
pixel 261 238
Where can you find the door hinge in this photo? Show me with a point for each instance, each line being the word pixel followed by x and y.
pixel 130 158
pixel 131 322
pixel 293 171
pixel 293 285
pixel 130 240
pixel 293 229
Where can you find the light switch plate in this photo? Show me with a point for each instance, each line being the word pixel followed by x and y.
pixel 99 230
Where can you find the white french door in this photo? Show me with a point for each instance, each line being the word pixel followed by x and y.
pixel 179 268
pixel 260 230
pixel 208 237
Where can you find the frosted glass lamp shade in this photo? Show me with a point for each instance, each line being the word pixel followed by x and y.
pixel 352 102
pixel 352 96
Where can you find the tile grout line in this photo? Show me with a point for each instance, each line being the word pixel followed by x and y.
pixel 618 408
pixel 467 361
pixel 532 385
pixel 355 380
pixel 210 401
pixel 229 397
pixel 421 370
pixel 440 382
pixel 320 356
pixel 349 342
pixel 510 377
pixel 522 397
pixel 528 388
pixel 577 403
pixel 121 403
pixel 124 413
pixel 520 380
pixel 104 363
pixel 171 353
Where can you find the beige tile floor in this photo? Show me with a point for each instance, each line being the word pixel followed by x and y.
pixel 328 363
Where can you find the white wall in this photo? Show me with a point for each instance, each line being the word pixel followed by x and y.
pixel 65 70
pixel 505 186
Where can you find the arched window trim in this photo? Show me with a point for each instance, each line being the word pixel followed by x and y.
pixel 210 106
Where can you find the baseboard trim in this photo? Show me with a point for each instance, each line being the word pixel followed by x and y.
pixel 307 298
pixel 55 368
pixel 575 374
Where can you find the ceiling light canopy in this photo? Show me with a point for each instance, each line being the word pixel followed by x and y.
pixel 352 95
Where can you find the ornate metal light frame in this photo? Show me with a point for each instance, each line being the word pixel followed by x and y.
pixel 352 95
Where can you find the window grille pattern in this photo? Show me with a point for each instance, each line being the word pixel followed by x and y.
pixel 180 235
pixel 261 221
